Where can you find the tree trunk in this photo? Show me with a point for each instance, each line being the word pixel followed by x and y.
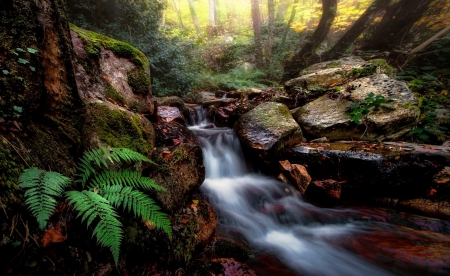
pixel 194 17
pixel 306 55
pixel 288 25
pixel 177 11
pixel 257 33
pixel 374 10
pixel 38 96
pixel 396 24
pixel 271 25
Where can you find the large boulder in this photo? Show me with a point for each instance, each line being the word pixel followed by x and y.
pixel 328 116
pixel 112 70
pixel 180 170
pixel 267 128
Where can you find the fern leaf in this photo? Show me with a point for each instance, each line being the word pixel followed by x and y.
pixel 90 207
pixel 124 178
pixel 142 205
pixel 127 155
pixel 42 188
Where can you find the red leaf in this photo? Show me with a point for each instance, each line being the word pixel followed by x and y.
pixel 52 236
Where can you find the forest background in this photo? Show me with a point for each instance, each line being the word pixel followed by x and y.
pixel 196 45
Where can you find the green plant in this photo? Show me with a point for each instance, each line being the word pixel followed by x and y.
pixel 360 108
pixel 104 190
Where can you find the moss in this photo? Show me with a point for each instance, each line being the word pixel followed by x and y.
pixel 94 41
pixel 112 93
pixel 382 66
pixel 118 128
pixel 139 81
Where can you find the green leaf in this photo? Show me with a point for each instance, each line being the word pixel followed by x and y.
pixel 32 51
pixel 20 50
pixel 23 61
pixel 5 72
pixel 32 68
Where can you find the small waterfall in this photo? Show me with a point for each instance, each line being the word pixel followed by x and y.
pixel 271 215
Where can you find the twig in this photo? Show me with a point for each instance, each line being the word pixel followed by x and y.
pixel 4 211
pixel 16 151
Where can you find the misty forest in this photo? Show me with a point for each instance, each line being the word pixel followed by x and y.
pixel 218 137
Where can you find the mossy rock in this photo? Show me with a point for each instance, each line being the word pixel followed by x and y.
pixel 109 125
pixel 139 81
pixel 112 93
pixel 94 41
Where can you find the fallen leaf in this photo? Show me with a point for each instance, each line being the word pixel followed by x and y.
pixel 184 221
pixel 165 155
pixel 176 141
pixel 149 224
pixel 52 236
pixel 443 180
pixel 195 201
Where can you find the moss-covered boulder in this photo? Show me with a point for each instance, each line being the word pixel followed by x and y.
pixel 328 116
pixel 180 170
pixel 268 128
pixel 111 70
pixel 107 124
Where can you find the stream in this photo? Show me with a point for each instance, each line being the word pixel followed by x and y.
pixel 307 240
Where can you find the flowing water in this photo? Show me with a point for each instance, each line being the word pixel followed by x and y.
pixel 274 218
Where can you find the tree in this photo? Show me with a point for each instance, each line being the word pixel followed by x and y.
pixel 306 55
pixel 374 10
pixel 194 17
pixel 256 19
pixel 271 27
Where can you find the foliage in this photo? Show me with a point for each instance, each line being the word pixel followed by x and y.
pixel 360 108
pixel 236 78
pixel 108 188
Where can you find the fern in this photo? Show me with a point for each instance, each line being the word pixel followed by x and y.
pixel 42 188
pixel 124 178
pixel 92 206
pixel 107 189
pixel 141 205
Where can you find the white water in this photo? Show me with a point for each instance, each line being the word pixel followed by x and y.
pixel 271 215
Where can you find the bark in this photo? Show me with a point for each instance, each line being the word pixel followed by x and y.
pixel 306 55
pixel 194 17
pixel 373 11
pixel 288 25
pixel 395 25
pixel 271 25
pixel 257 33
pixel 48 135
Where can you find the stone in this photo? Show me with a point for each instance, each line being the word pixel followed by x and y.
pixel 180 170
pixel 440 209
pixel 172 101
pixel 325 191
pixel 168 134
pixel 169 114
pixel 328 117
pixel 204 96
pixel 268 128
pixel 218 102
pixel 297 174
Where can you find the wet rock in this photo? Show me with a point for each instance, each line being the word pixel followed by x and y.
pixel 231 267
pixel 290 102
pixel 169 114
pixel 328 117
pixel 239 111
pixel 204 96
pixel 218 102
pixel 231 244
pixel 297 175
pixel 180 170
pixel 396 170
pixel 326 191
pixel 268 128
pixel 427 207
pixel 171 134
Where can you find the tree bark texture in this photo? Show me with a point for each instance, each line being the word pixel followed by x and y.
pixel 395 25
pixel 373 11
pixel 41 85
pixel 256 18
pixel 306 55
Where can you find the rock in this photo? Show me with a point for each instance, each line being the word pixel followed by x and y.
pixel 231 267
pixel 290 102
pixel 440 209
pixel 267 128
pixel 172 101
pixel 169 114
pixel 231 244
pixel 396 170
pixel 218 102
pixel 180 170
pixel 239 111
pixel 297 175
pixel 325 191
pixel 325 74
pixel 104 73
pixel 328 117
pixel 204 96
pixel 110 125
pixel 172 134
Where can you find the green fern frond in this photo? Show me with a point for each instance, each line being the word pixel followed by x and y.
pixel 90 207
pixel 124 178
pixel 142 206
pixel 42 188
pixel 127 155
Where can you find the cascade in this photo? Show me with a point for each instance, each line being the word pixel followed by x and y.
pixel 273 217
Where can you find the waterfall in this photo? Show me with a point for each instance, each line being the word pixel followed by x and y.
pixel 271 215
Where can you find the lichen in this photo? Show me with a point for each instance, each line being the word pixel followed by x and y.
pixel 118 128
pixel 139 81
pixel 94 41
